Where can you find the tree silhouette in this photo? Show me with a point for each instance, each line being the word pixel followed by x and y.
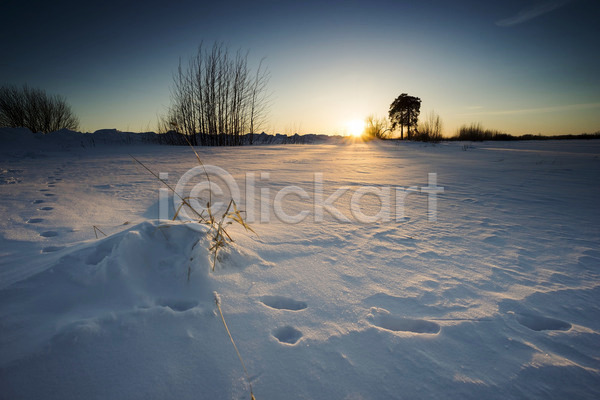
pixel 404 111
pixel 34 109
pixel 376 127
pixel 217 98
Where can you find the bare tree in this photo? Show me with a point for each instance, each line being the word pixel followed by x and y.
pixel 376 127
pixel 13 109
pixel 217 98
pixel 34 109
pixel 258 99
pixel 430 130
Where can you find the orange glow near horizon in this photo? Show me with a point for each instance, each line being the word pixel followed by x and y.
pixel 355 128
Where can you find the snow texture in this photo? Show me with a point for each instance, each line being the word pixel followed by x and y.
pixel 499 298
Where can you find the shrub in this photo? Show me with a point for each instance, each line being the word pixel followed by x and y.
pixel 476 133
pixel 376 127
pixel 430 130
pixel 34 109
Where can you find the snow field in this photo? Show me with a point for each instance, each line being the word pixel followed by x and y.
pixel 497 299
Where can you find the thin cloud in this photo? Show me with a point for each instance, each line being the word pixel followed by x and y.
pixel 542 110
pixel 533 12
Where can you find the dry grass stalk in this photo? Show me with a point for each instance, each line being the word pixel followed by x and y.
pixel 96 230
pixel 217 226
pixel 218 303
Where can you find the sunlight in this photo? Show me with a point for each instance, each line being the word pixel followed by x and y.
pixel 355 127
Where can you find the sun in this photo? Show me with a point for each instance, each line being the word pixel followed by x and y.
pixel 355 127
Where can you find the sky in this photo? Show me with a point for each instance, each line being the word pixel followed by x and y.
pixel 518 66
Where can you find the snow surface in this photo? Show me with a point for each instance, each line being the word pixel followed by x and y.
pixel 499 298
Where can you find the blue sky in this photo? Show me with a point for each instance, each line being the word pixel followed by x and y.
pixel 517 66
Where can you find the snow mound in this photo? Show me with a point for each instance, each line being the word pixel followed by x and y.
pixel 143 267
pixel 110 305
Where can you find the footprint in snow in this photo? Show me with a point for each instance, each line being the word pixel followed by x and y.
pixel 37 201
pixel 283 303
pixel 46 208
pixel 287 334
pixel 49 234
pixel 177 305
pixel 49 194
pixel 34 220
pixel 539 323
pixel 382 319
pixel 51 249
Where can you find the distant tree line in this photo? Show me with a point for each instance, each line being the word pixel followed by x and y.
pixel 404 114
pixel 34 109
pixel 216 98
pixel 476 133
